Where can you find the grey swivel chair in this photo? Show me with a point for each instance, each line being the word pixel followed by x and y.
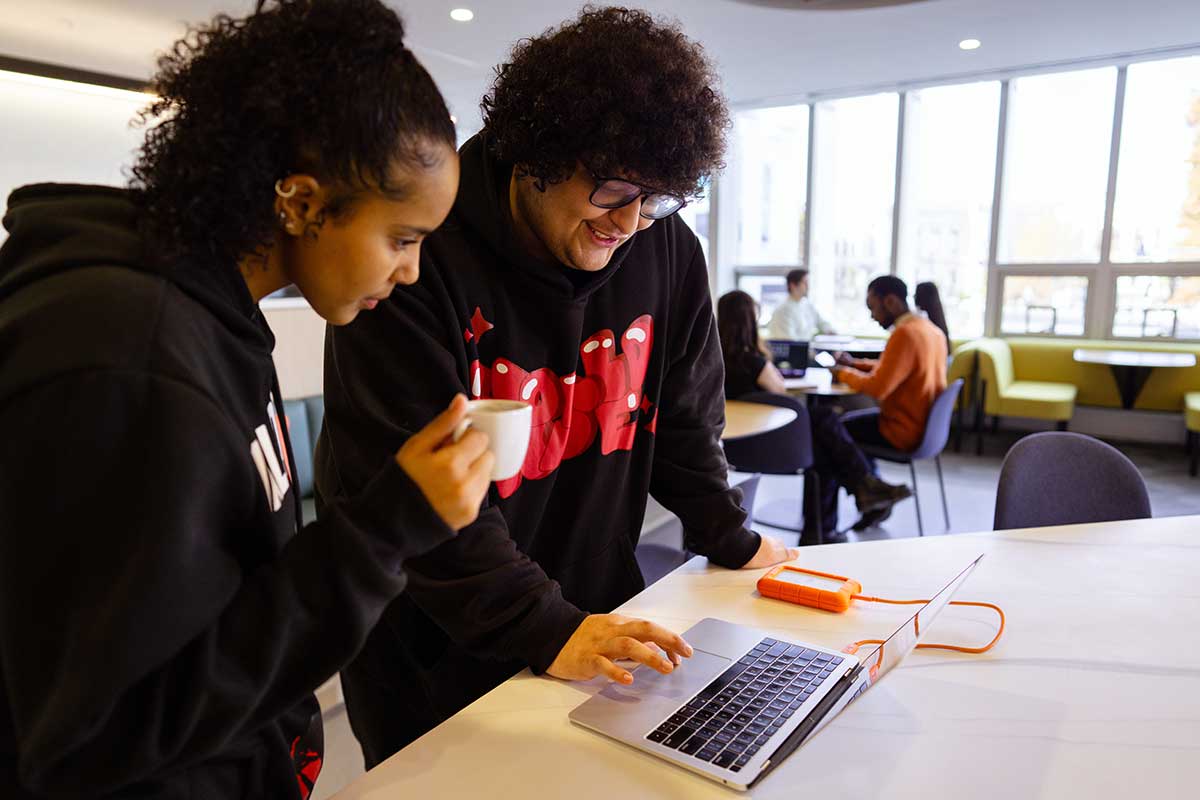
pixel 1058 478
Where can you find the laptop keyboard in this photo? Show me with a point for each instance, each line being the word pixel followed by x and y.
pixel 731 719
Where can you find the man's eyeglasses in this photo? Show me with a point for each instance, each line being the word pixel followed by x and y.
pixel 618 193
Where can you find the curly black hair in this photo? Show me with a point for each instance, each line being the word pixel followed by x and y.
pixel 325 87
pixel 616 90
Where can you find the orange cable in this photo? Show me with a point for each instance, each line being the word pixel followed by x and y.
pixel 957 648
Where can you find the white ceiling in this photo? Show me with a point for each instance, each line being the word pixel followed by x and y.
pixel 763 53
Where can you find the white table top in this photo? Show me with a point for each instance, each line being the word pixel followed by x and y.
pixel 848 344
pixel 1134 358
pixel 750 419
pixel 816 380
pixel 1094 691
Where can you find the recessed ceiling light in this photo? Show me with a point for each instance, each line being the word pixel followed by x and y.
pixel 462 15
pixel 969 44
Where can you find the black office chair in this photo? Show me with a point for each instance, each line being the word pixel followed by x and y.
pixel 937 433
pixel 783 451
pixel 656 561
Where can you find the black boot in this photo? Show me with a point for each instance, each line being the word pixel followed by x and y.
pixel 872 494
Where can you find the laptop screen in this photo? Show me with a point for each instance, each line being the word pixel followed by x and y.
pixel 902 642
pixel 789 355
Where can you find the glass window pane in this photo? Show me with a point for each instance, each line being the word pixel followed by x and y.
pixel 855 180
pixel 1157 213
pixel 1056 167
pixel 767 290
pixel 696 215
pixel 770 162
pixel 1044 304
pixel 946 196
pixel 1158 305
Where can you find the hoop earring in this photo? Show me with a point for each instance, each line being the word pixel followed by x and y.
pixel 279 190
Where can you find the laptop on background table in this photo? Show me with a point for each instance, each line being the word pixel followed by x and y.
pixel 745 701
pixel 790 357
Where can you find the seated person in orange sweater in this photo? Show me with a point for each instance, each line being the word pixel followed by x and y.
pixel 905 379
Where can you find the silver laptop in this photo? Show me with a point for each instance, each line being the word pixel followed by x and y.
pixel 745 700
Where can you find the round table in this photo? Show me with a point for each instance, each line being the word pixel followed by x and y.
pixel 851 345
pixel 1131 368
pixel 744 419
pixel 817 382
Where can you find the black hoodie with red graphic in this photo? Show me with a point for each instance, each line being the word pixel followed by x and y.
pixel 623 368
pixel 163 622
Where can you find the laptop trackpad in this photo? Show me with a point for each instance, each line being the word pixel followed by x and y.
pixel 634 710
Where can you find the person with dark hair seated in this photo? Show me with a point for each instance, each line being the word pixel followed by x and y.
pixel 165 616
pixel 838 459
pixel 905 380
pixel 797 319
pixel 927 298
pixel 565 279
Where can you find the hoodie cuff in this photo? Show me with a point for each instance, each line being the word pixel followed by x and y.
pixel 547 634
pixel 732 551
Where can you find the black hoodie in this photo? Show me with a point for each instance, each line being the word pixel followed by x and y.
pixel 624 369
pixel 162 623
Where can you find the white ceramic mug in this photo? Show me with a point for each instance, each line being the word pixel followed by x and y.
pixel 507 425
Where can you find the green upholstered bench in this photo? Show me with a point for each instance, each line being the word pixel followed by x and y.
pixel 997 392
pixel 1191 418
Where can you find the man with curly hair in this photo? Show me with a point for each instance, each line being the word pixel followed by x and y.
pixel 562 278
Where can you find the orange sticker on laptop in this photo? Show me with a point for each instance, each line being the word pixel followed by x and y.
pixel 808 588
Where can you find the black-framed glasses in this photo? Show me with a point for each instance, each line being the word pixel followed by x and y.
pixel 617 193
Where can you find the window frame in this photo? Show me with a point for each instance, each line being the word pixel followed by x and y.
pixel 1101 305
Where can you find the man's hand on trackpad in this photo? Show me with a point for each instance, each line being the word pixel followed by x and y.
pixel 602 639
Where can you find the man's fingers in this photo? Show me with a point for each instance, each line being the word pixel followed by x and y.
pixel 646 631
pixel 441 426
pixel 608 669
pixel 628 647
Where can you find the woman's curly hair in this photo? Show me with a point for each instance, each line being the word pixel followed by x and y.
pixel 616 90
pixel 325 87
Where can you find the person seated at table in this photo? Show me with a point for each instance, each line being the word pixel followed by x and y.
pixel 563 278
pixel 797 319
pixel 927 299
pixel 838 459
pixel 165 617
pixel 905 380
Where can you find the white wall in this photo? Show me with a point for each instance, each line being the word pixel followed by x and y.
pixel 66 132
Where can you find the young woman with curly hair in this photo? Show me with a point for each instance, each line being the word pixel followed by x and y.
pixel 563 278
pixel 164 615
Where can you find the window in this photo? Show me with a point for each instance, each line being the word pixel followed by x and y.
pixel 855 178
pixel 1158 305
pixel 1045 304
pixel 1056 167
pixel 946 203
pixel 1157 212
pixel 769 291
pixel 696 215
pixel 771 164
